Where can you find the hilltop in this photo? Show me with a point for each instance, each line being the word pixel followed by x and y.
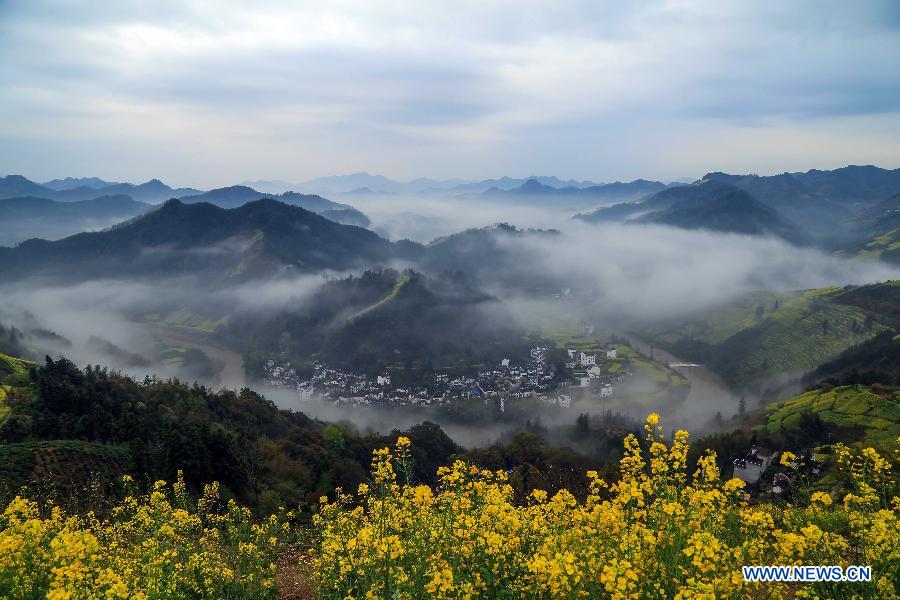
pixel 259 238
pixel 29 217
pixel 153 191
pixel 703 205
pixel 764 335
pixel 238 195
pixel 386 318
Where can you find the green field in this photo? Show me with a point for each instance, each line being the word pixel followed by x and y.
pixel 763 334
pixel 184 319
pixel 881 247
pixel 875 412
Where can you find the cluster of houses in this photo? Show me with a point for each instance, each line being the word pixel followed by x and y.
pixel 589 374
pixel 505 382
pixel 754 465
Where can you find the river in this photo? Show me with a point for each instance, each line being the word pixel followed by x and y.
pixel 708 394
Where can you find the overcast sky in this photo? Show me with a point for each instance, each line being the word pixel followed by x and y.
pixel 210 93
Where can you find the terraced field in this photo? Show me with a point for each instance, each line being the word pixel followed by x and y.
pixel 13 366
pixel 764 335
pixel 185 319
pixel 72 465
pixel 873 411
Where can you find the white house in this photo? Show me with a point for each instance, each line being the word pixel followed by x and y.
pixel 581 382
pixel 564 401
pixel 383 380
pixel 611 353
pixel 595 371
pixel 504 362
pixel 606 391
pixel 751 467
pixel 588 359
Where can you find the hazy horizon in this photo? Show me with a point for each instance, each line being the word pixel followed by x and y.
pixel 210 94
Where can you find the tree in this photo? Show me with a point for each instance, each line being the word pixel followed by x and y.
pixel 334 438
pixel 582 425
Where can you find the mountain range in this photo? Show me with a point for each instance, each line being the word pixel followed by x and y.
pixel 707 204
pixel 238 195
pixel 533 191
pixel 153 191
pixel 27 217
pixel 263 237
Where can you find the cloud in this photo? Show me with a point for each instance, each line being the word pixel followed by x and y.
pixel 635 274
pixel 205 92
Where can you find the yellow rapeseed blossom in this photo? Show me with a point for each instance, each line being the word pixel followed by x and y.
pixel 147 549
pixel 655 533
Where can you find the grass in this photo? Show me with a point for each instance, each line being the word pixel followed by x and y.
pixel 875 412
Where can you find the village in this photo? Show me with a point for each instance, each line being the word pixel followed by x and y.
pixel 583 376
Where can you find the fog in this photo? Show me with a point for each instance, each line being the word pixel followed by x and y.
pixel 615 276
pixel 648 272
pixel 424 217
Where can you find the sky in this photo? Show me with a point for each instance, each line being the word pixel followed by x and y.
pixel 213 92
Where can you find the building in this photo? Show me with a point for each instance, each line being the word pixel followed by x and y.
pixel 606 391
pixel 383 380
pixel 611 353
pixel 751 467
pixel 564 401
pixel 588 359
pixel 781 483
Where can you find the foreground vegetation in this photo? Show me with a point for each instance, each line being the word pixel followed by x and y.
pixel 651 534
pixel 155 546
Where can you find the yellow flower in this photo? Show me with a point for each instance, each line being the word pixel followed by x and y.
pixel 788 458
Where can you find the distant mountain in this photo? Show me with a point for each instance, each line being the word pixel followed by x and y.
pixel 511 183
pixel 70 183
pixel 591 195
pixel 238 195
pixel 706 204
pixel 276 186
pixel 878 219
pixel 261 238
pixel 15 186
pixel 344 183
pixel 823 201
pixel 29 217
pixel 495 254
pixel 153 191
